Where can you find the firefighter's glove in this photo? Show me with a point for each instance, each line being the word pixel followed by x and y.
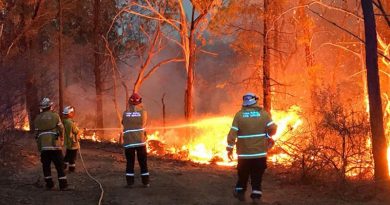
pixel 230 154
pixel 271 143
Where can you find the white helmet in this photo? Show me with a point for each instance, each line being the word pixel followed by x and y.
pixel 45 103
pixel 68 110
pixel 249 99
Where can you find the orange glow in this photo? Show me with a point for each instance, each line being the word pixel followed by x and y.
pixel 388 157
pixel 24 125
pixel 385 48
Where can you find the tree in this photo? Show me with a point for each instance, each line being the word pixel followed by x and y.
pixel 266 60
pixel 379 145
pixel 187 29
pixel 97 70
pixel 154 47
pixel 60 67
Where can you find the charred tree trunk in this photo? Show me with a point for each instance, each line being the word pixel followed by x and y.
pixel 344 158
pixel 97 70
pixel 266 64
pixel 60 68
pixel 163 112
pixel 379 146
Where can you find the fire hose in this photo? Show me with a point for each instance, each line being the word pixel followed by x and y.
pixel 93 178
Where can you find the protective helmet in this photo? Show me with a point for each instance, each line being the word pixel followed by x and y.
pixel 135 99
pixel 249 99
pixel 45 103
pixel 68 110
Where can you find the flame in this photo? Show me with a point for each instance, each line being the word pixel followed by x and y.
pixel 385 48
pixel 287 121
pixel 23 124
pixel 92 137
pixel 387 131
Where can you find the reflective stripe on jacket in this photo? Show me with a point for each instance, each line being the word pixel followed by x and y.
pixel 134 122
pixel 71 138
pixel 250 132
pixel 49 130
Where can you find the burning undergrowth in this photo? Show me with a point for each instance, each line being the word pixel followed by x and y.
pixel 208 142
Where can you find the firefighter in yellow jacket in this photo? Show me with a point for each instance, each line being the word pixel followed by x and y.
pixel 134 139
pixel 49 135
pixel 251 132
pixel 72 144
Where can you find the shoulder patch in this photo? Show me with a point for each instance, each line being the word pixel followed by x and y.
pixel 250 114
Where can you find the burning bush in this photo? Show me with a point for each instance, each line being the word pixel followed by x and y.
pixel 334 144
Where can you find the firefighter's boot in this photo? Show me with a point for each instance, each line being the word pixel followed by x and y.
pixel 64 184
pixel 49 183
pixel 130 181
pixel 239 193
pixel 256 196
pixel 72 167
pixel 145 181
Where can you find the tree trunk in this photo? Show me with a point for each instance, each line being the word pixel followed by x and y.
pixel 266 65
pixel 189 107
pixel 31 90
pixel 304 21
pixel 60 68
pixel 97 70
pixel 379 146
pixel 163 112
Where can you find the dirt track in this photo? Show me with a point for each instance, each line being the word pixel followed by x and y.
pixel 172 182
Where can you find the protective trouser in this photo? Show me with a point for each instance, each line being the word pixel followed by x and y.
pixel 55 156
pixel 255 169
pixel 70 159
pixel 142 161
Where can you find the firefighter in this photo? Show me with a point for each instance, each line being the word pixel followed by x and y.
pixel 49 135
pixel 251 132
pixel 134 139
pixel 72 138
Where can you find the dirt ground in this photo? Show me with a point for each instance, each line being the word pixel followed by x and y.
pixel 172 182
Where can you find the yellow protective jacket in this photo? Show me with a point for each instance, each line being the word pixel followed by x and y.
pixel 134 122
pixel 71 139
pixel 250 132
pixel 49 131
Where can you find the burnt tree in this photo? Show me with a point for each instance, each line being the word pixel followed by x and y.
pixel 379 146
